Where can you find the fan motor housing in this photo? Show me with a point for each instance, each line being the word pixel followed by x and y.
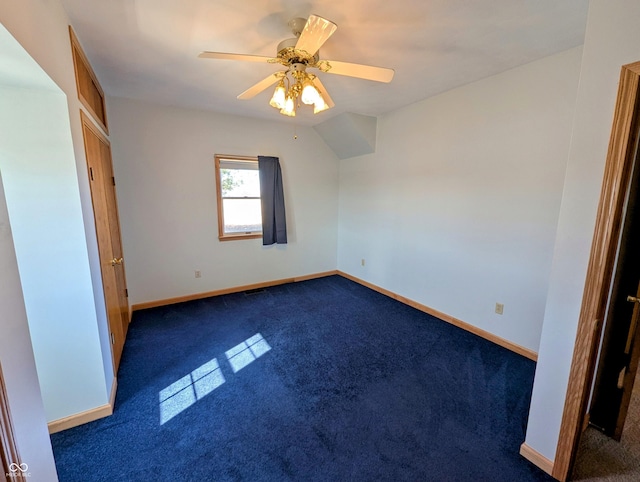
pixel 287 52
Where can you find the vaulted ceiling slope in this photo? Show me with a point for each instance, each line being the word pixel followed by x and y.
pixel 147 49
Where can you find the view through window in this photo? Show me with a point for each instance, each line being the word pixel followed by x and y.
pixel 238 186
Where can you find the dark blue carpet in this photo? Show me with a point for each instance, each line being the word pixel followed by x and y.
pixel 319 380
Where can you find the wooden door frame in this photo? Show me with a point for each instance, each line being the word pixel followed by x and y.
pixel 619 163
pixel 9 456
pixel 88 124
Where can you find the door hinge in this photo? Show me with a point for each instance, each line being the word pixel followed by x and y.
pixel 113 180
pixel 113 339
pixel 91 173
pixel 126 292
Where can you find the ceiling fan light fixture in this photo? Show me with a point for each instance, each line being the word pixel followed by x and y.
pixel 310 94
pixel 295 85
pixel 279 96
pixel 320 106
pixel 289 108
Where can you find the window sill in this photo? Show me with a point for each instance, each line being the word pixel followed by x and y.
pixel 230 237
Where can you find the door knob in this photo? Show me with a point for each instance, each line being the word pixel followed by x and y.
pixel 115 261
pixel 633 299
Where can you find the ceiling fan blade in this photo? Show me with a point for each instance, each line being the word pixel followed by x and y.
pixel 260 86
pixel 315 33
pixel 323 92
pixel 379 74
pixel 228 56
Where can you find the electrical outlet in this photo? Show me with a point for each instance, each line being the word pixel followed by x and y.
pixel 198 273
pixel 499 308
pixel 362 262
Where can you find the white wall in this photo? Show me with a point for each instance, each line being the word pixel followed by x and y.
pixel 42 30
pixel 163 163
pixel 44 207
pixel 612 40
pixel 18 365
pixel 458 207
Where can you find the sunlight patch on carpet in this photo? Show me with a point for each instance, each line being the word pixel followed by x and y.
pixel 183 393
pixel 246 352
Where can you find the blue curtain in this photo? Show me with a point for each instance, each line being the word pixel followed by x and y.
pixel 274 224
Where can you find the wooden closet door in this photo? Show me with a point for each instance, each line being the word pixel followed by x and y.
pixel 105 210
pixel 114 232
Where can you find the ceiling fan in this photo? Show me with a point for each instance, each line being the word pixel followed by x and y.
pixel 298 54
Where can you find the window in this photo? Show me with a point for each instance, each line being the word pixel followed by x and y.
pixel 238 186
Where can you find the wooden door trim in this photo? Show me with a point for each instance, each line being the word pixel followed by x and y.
pixel 8 447
pixel 620 158
pixel 109 281
pixel 88 121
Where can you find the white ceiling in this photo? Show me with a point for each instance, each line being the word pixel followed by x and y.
pixel 147 49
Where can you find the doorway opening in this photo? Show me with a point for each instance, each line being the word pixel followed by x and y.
pixel 618 359
pixel 601 269
pixel 610 444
